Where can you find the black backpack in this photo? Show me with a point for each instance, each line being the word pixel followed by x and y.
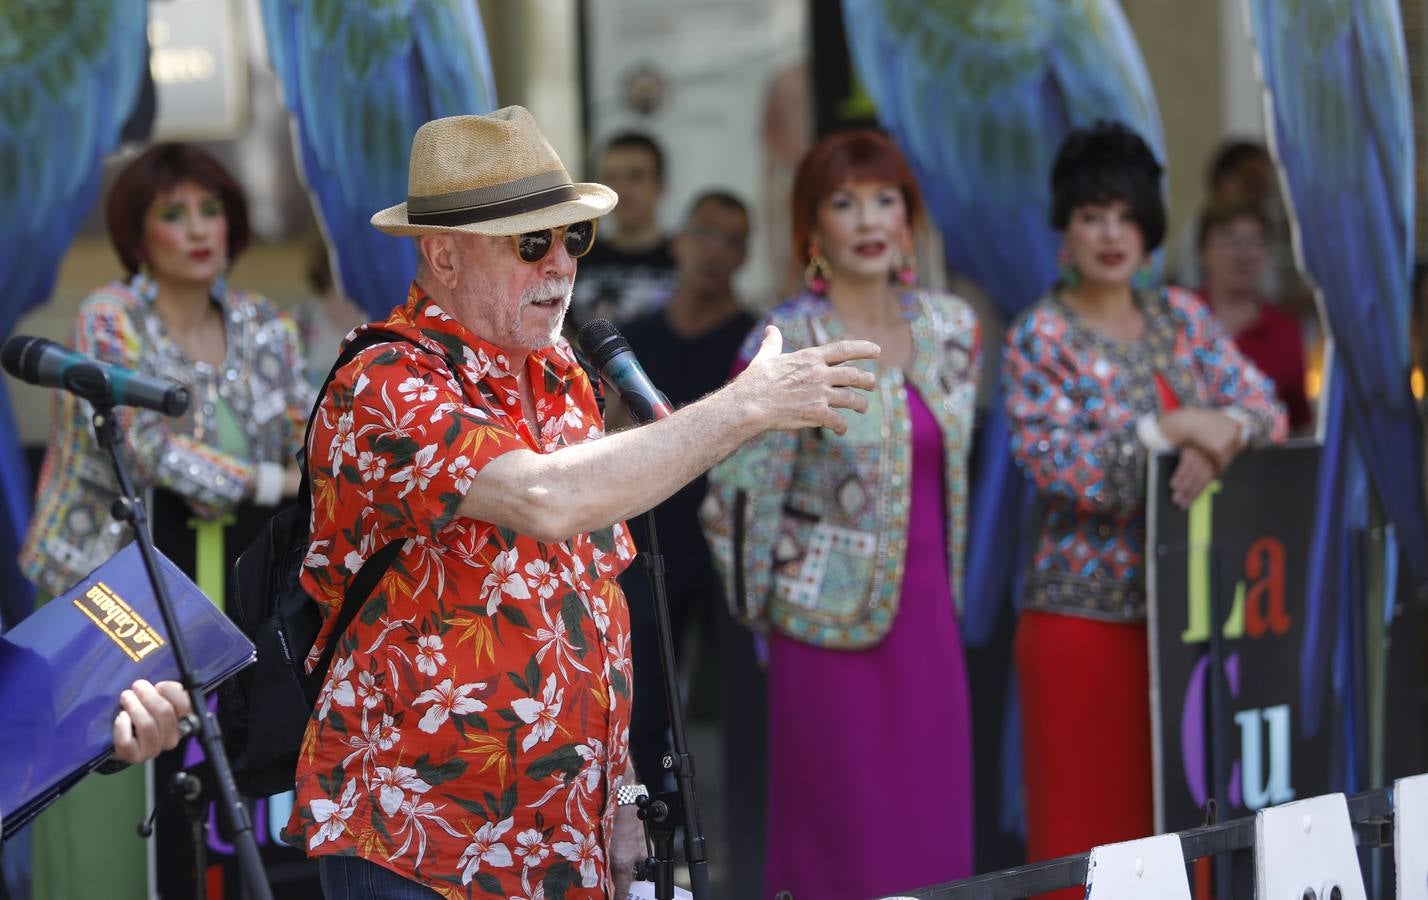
pixel 264 709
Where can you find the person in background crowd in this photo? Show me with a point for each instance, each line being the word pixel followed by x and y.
pixel 472 732
pixel 177 220
pixel 1232 255
pixel 630 270
pixel 1099 373
pixel 1243 172
pixel 326 317
pixel 848 551
pixel 688 348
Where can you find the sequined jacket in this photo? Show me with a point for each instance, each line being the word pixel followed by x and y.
pixel 261 380
pixel 1074 400
pixel 809 529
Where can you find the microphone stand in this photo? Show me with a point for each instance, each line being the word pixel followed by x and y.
pixel 129 508
pixel 665 812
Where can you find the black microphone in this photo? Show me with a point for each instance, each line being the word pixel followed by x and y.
pixel 612 357
pixel 48 364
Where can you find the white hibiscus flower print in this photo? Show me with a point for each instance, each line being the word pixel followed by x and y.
pixel 371 466
pixel 429 655
pixel 447 701
pixel 542 577
pixel 390 784
pixel 531 848
pixel 485 847
pixel 417 390
pixel 540 714
pixel 504 581
pixel 463 471
pixel 419 473
pixel 585 850
pixel 330 817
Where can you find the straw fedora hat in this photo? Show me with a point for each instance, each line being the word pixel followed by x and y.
pixel 494 174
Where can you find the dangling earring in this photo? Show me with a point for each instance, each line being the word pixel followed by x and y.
pixel 1065 271
pixel 815 274
pixel 142 285
pixel 1144 277
pixel 905 272
pixel 218 290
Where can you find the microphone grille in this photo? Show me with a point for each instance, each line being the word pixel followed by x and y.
pixel 600 341
pixel 20 355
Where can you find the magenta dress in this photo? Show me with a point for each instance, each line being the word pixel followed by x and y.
pixel 870 751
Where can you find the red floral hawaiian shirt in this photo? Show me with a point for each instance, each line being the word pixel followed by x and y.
pixel 476 713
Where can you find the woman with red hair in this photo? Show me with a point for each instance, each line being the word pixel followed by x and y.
pixel 847 552
pixel 177 220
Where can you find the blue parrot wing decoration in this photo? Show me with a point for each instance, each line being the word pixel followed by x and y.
pixel 70 73
pixel 1342 130
pixel 359 77
pixel 979 95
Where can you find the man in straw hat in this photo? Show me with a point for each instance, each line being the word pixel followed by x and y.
pixel 473 726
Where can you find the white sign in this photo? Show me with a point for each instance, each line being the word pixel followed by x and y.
pixel 200 69
pixel 723 88
pixel 1150 867
pixel 1307 845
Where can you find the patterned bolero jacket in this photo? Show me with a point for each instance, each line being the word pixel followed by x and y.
pixel 809 529
pixel 261 382
pixel 1079 406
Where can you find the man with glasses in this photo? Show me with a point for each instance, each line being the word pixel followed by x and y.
pixel 473 727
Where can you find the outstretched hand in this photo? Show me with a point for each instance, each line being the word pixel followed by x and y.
pixel 804 389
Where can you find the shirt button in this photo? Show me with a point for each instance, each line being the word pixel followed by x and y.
pixel 511 401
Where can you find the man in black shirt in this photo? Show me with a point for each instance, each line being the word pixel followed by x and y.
pixel 688 348
pixel 629 271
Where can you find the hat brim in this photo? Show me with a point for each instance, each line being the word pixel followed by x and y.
pixel 594 201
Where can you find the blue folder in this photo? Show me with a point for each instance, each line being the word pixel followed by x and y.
pixel 63 668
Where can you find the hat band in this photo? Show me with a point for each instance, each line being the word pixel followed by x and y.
pixel 495 202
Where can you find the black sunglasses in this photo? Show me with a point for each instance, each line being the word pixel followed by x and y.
pixel 533 246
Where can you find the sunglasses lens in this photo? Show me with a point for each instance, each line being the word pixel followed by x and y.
pixel 534 245
pixel 579 238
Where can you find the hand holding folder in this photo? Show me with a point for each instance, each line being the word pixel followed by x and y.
pixel 63 669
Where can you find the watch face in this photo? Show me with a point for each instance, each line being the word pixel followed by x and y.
pixel 629 793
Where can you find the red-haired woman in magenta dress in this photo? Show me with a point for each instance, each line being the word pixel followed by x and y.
pixel 848 552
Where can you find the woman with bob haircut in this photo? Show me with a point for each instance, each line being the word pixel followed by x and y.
pixel 1101 372
pixel 847 552
pixel 177 220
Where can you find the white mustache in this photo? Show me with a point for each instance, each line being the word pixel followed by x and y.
pixel 550 289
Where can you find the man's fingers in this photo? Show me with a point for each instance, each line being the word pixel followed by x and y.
pixel 834 422
pixel 161 713
pixel 125 747
pixel 852 376
pixel 174 692
pixel 772 344
pixel 844 351
pixel 846 398
pixel 145 729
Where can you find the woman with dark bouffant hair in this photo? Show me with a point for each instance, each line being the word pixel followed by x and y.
pixel 177 220
pixel 1101 372
pixel 847 552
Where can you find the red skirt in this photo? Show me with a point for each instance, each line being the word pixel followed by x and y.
pixel 1085 707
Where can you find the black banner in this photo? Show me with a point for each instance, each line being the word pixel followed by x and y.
pixel 1227 625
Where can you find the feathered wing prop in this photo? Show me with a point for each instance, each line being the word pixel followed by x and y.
pixel 70 73
pixel 1339 107
pixel 979 95
pixel 359 77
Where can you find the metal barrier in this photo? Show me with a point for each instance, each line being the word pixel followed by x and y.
pixel 1371 814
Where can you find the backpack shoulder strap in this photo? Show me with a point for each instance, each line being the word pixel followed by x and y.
pixel 378 563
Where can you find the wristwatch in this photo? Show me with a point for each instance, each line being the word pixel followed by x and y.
pixel 630 793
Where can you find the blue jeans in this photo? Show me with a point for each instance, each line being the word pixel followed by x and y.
pixel 354 878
